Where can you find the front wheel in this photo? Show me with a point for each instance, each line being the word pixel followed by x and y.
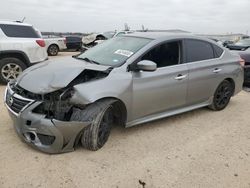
pixel 222 96
pixel 10 69
pixel 101 116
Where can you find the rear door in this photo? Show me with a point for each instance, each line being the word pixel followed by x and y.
pixel 205 68
pixel 72 42
pixel 165 88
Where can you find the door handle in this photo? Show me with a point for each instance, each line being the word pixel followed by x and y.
pixel 180 77
pixel 217 70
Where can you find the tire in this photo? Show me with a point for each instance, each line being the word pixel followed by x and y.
pixel 53 50
pixel 222 96
pixel 10 68
pixel 100 114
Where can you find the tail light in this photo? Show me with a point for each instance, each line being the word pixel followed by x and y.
pixel 64 40
pixel 40 42
pixel 242 62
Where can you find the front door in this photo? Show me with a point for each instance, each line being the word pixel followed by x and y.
pixel 164 89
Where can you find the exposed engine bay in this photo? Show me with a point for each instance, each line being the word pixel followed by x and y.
pixel 58 104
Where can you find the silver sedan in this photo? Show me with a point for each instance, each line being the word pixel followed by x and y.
pixel 127 80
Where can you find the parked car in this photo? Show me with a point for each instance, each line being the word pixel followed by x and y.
pixel 240 45
pixel 94 39
pixel 228 42
pixel 54 44
pixel 245 55
pixel 217 41
pixel 110 34
pixel 20 47
pixel 74 42
pixel 127 80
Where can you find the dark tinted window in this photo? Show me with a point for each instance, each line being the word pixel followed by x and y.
pixel 164 55
pixel 73 39
pixel 19 31
pixel 198 50
pixel 217 51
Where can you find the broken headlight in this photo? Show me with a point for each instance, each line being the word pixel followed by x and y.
pixel 67 94
pixel 56 105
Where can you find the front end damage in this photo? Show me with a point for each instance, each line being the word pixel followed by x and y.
pixel 44 120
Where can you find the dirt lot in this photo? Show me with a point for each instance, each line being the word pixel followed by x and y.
pixel 196 149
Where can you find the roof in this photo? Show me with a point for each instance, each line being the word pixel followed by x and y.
pixel 158 35
pixel 13 23
pixel 165 30
pixel 162 36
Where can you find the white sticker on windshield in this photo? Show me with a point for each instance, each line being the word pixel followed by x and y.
pixel 124 53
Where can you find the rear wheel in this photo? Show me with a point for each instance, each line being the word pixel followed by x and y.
pixel 222 96
pixel 53 50
pixel 10 69
pixel 101 116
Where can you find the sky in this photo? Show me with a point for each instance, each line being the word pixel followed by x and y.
pixel 197 16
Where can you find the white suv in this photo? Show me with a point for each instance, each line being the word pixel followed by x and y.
pixel 20 47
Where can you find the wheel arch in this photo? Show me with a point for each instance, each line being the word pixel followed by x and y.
pixel 232 82
pixel 119 107
pixel 15 54
pixel 53 44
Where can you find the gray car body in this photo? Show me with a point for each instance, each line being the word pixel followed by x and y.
pixel 147 96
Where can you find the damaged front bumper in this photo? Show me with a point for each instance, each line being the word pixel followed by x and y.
pixel 47 135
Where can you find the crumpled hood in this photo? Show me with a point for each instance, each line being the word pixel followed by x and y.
pixel 53 75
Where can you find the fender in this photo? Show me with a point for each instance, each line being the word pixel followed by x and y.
pixel 119 87
pixel 18 53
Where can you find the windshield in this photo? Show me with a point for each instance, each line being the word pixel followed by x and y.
pixel 245 42
pixel 114 52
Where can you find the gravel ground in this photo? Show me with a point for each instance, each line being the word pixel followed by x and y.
pixel 196 149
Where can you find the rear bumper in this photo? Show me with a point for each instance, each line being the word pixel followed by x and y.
pixel 47 135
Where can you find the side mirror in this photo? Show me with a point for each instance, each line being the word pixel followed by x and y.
pixel 146 65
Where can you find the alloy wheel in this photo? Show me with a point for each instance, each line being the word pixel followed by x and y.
pixel 11 71
pixel 223 95
pixel 53 50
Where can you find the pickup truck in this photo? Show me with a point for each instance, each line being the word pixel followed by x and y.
pixel 54 44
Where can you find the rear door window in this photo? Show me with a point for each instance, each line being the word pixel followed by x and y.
pixel 197 50
pixel 73 39
pixel 217 51
pixel 19 31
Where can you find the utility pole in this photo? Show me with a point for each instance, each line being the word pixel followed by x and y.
pixel 23 19
pixel 143 28
pixel 126 27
